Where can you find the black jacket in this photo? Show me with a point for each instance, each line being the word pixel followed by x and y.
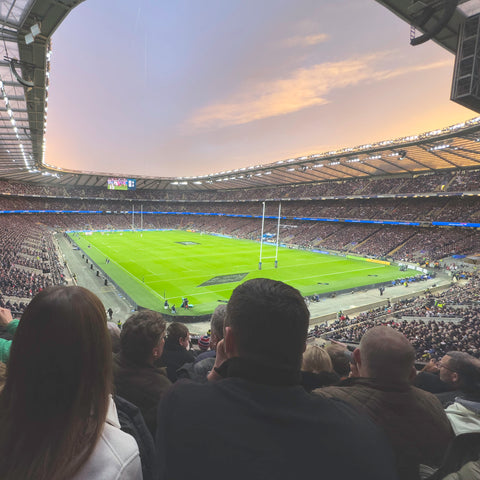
pixel 174 356
pixel 132 422
pixel 259 423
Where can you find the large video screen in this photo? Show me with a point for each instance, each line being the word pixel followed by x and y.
pixel 121 184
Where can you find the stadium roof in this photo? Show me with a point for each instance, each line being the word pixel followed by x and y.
pixel 438 20
pixel 26 28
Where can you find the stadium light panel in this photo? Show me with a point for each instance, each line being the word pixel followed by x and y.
pixel 35 29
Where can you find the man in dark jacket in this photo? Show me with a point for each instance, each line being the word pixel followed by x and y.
pixel 253 420
pixel 136 378
pixel 413 419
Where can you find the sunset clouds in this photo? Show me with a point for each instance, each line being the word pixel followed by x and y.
pixel 303 88
pixel 189 88
pixel 306 41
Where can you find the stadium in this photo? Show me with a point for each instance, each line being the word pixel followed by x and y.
pixel 404 203
pixel 384 233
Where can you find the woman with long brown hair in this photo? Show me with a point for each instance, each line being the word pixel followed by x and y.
pixel 57 420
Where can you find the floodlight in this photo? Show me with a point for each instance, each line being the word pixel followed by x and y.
pixel 35 29
pixel 29 38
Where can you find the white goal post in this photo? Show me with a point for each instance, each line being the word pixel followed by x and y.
pixel 261 237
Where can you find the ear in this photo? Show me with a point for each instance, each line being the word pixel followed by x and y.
pixel 357 356
pixel 413 374
pixel 230 343
pixel 455 378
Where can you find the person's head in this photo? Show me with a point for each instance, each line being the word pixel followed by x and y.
pixel 114 331
pixel 55 400
pixel 385 354
pixel 316 360
pixel 204 343
pixel 142 337
pixel 340 362
pixel 177 334
pixel 462 371
pixel 217 323
pixel 267 321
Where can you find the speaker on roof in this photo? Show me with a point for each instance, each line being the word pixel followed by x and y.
pixel 466 75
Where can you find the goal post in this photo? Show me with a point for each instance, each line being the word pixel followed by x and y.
pixel 262 237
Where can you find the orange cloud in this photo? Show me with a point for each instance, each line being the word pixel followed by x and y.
pixel 305 87
pixel 306 41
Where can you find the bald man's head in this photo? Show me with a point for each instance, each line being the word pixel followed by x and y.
pixel 386 354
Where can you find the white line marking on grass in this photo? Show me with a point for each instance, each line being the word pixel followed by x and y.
pixel 131 275
pixel 327 274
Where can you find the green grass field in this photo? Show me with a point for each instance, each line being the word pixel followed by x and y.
pixel 149 265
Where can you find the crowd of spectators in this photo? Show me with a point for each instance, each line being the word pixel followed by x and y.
pixel 434 323
pixel 29 260
pixel 457 181
pixel 453 209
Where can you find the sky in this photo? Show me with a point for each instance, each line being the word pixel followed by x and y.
pixel 188 87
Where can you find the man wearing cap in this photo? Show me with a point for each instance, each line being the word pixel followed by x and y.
pixel 253 420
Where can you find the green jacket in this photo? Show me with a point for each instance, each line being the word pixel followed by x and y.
pixel 6 344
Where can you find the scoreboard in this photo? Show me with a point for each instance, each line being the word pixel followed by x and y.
pixel 121 184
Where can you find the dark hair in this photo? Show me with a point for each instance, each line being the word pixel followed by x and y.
pixel 175 331
pixel 55 401
pixel 140 334
pixel 340 362
pixel 270 322
pixel 468 369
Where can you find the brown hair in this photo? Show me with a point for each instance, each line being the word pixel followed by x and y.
pixel 55 401
pixel 175 331
pixel 140 334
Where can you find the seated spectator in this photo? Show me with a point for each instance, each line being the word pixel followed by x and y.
pixel 340 362
pixel 253 420
pixel 413 419
pixel 463 459
pixel 114 331
pixel 317 370
pixel 428 379
pixel 10 325
pixel 216 333
pixel 177 350
pixel 203 343
pixel 136 378
pixel 57 418
pixel 464 413
pixel 200 368
pixel 451 367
